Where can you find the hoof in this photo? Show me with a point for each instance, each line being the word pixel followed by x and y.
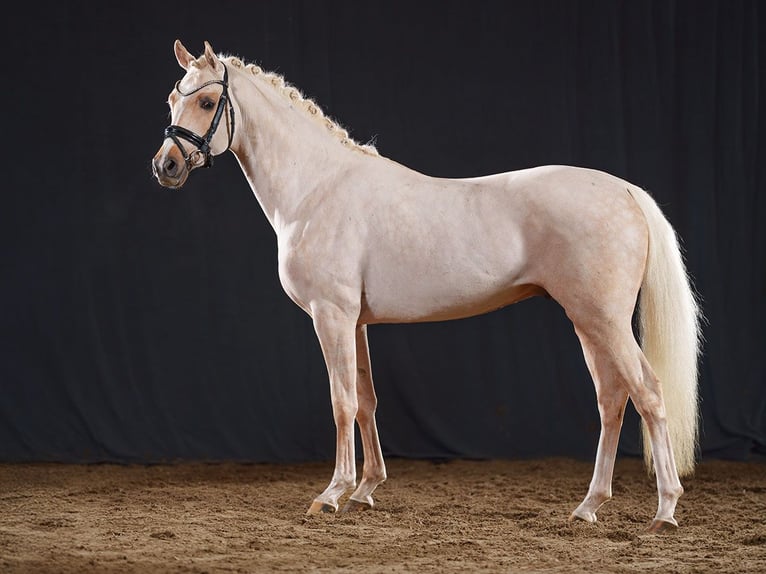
pixel 662 527
pixel 355 506
pixel 318 507
pixel 589 517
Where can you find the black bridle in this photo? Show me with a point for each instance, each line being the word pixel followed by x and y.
pixel 203 142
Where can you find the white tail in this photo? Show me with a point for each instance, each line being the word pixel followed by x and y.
pixel 669 320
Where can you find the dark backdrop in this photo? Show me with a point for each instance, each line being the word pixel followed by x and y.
pixel 142 324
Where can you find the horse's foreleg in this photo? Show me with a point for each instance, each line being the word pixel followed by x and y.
pixel 612 397
pixel 335 330
pixel 374 470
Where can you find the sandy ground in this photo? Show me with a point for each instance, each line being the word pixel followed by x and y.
pixel 458 516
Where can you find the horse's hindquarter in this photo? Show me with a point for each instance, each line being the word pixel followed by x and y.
pixel 588 244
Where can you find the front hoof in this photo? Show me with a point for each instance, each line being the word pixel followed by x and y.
pixel 318 507
pixel 355 506
pixel 662 527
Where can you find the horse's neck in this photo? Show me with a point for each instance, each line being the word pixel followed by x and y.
pixel 284 154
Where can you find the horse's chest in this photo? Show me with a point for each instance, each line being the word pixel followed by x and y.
pixel 294 275
pixel 310 272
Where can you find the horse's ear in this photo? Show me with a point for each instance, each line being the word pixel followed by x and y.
pixel 182 55
pixel 211 58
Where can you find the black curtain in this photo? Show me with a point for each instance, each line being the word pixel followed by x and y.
pixel 141 324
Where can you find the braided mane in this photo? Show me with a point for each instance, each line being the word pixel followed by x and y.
pixel 307 105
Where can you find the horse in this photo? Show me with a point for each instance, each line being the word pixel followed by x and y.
pixel 365 240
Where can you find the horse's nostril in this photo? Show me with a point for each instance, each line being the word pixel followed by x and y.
pixel 171 167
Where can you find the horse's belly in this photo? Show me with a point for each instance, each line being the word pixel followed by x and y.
pixel 421 300
pixel 463 266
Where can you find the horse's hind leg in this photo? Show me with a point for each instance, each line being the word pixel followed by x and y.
pixel 374 470
pixel 651 406
pixel 612 398
pixel 618 366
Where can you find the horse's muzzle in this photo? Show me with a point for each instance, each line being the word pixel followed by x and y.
pixel 169 168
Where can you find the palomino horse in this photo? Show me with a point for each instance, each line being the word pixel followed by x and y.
pixel 365 240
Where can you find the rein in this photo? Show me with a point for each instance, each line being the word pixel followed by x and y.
pixel 202 143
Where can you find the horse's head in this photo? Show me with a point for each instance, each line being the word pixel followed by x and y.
pixel 197 103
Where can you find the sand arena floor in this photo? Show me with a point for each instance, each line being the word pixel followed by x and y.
pixel 458 516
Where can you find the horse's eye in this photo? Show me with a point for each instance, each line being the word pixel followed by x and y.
pixel 206 104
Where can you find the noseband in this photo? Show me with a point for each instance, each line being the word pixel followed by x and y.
pixel 202 143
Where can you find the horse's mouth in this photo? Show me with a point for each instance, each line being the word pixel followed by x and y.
pixel 171 182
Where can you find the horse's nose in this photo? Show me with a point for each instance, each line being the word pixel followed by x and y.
pixel 166 166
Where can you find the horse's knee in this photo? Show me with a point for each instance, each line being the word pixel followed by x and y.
pixel 345 411
pixel 366 398
pixel 367 407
